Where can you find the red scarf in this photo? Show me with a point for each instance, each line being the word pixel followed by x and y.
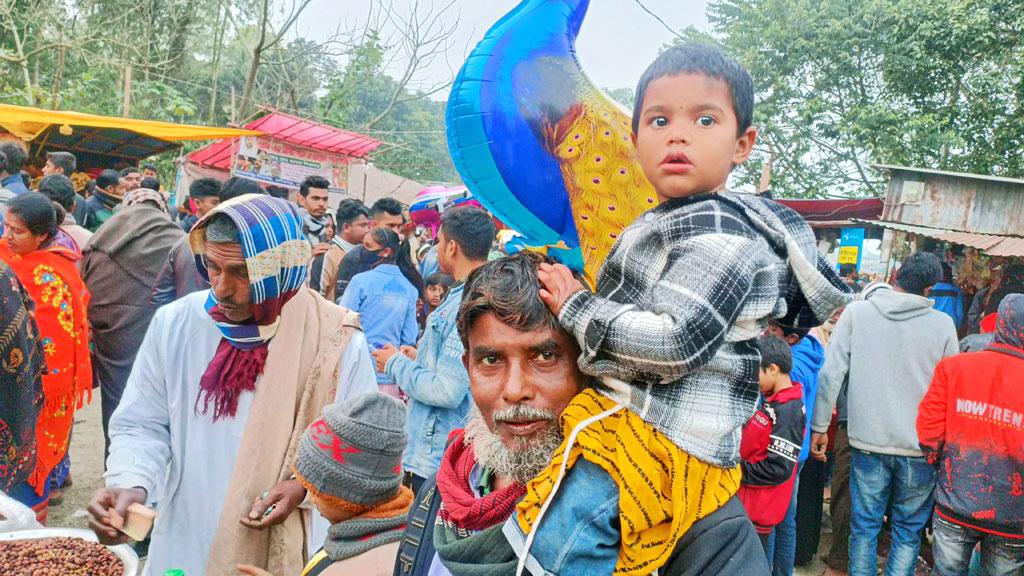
pixel 460 506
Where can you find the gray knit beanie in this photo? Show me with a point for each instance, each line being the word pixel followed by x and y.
pixel 354 452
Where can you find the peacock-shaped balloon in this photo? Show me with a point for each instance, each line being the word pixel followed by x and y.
pixel 538 144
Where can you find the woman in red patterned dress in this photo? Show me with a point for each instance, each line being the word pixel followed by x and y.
pixel 44 258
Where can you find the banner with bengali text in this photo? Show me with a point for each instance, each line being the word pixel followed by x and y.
pixel 274 162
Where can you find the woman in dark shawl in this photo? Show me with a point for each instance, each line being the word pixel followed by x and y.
pixel 21 385
pixel 120 268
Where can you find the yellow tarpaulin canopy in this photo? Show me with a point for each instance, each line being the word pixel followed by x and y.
pixel 28 123
pixel 92 136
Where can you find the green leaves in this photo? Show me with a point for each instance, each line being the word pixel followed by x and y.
pixel 841 84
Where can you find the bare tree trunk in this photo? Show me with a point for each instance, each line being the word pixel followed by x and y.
pixel 218 49
pixel 26 73
pixel 57 79
pixel 266 43
pixel 127 91
pixel 254 64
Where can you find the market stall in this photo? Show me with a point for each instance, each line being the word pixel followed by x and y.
pixel 847 244
pixel 101 141
pixel 288 150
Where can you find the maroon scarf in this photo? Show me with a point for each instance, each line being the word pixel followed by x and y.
pixel 231 372
pixel 460 507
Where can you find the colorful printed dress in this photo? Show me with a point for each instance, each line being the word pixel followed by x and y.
pixel 21 382
pixel 50 277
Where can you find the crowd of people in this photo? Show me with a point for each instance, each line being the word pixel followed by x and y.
pixel 298 389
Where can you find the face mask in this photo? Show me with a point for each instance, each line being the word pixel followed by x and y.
pixel 369 258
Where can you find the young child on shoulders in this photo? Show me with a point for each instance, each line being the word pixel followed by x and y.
pixel 771 440
pixel 670 334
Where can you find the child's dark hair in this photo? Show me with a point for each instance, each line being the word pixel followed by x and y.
pixel 701 59
pixel 788 331
pixel 440 279
pixel 774 350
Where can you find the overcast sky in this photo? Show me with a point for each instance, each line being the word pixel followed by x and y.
pixel 617 41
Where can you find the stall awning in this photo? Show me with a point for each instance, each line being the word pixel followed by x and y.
pixel 835 211
pixel 27 123
pixel 293 130
pixel 991 244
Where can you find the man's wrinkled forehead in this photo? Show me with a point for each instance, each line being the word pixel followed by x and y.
pixel 225 253
pixel 490 335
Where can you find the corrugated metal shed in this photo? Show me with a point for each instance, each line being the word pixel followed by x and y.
pixel 954 201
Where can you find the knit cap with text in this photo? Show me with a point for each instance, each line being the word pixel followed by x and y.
pixel 351 457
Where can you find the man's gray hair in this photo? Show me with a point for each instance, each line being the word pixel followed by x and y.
pixel 222 230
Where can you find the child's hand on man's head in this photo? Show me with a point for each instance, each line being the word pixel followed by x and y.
pixel 557 284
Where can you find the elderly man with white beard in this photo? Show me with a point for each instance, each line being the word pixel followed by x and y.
pixel 523 374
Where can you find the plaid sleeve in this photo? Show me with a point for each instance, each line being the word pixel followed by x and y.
pixel 696 300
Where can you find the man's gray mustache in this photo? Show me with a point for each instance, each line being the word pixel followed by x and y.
pixel 521 413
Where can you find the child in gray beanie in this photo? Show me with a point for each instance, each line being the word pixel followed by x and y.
pixel 350 461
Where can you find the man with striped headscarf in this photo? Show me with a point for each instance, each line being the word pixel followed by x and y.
pixel 225 382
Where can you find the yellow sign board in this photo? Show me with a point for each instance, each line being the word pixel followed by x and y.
pixel 848 254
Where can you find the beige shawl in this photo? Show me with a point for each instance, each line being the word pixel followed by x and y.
pixel 302 365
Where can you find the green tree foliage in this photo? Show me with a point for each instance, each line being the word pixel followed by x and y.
pixel 841 85
pixel 189 61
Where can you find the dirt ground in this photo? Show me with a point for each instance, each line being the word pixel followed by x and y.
pixel 86 468
pixel 87 473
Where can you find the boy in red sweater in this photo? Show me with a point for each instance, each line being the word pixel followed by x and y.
pixel 771 440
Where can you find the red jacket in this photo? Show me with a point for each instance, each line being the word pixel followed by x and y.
pixel 770 449
pixel 971 425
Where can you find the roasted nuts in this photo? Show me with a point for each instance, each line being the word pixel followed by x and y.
pixel 58 557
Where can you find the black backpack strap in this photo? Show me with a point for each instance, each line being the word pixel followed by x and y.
pixel 417 548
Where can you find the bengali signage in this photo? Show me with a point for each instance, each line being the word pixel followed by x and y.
pixel 848 254
pixel 274 162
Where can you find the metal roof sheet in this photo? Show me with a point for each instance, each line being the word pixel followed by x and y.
pixel 991 244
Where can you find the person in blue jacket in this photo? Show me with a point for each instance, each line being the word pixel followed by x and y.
pixel 808 358
pixel 386 297
pixel 948 298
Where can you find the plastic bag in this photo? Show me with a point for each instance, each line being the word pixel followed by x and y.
pixel 16 516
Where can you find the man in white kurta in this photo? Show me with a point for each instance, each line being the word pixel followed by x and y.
pixel 184 460
pixel 182 457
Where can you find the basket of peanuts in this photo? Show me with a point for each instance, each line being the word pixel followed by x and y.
pixel 63 552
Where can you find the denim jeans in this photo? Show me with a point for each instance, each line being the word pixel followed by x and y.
pixel 953 544
pixel 874 478
pixel 782 542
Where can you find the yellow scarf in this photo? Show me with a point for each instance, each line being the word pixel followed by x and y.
pixel 662 489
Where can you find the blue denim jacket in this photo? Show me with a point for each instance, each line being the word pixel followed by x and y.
pixel 437 385
pixel 578 535
pixel 386 303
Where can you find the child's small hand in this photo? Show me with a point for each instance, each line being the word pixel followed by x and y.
pixel 557 284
